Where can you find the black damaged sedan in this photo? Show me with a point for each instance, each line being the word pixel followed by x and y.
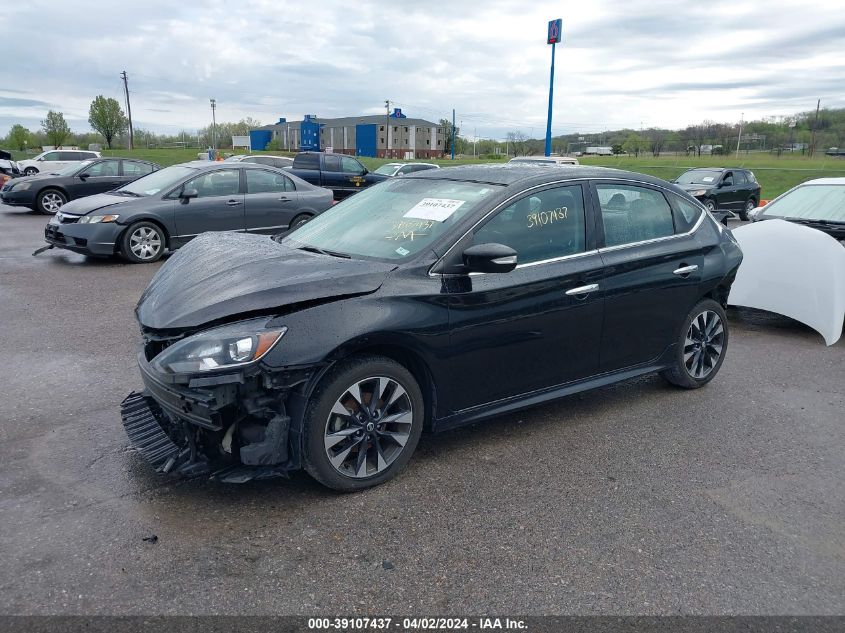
pixel 423 303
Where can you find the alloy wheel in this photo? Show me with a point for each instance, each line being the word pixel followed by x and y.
pixel 145 243
pixel 52 201
pixel 368 427
pixel 703 344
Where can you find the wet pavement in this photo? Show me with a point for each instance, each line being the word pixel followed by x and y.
pixel 637 499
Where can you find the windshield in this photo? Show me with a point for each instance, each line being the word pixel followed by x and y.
pixel 810 202
pixel 387 170
pixel 699 177
pixel 393 220
pixel 151 184
pixel 70 170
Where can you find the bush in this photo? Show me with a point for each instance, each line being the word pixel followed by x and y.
pixel 494 156
pixel 274 146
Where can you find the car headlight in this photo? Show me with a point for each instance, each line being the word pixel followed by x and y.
pixel 96 219
pixel 219 348
pixel 21 186
pixel 698 192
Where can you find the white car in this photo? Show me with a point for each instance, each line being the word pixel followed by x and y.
pixel 54 160
pixel 545 161
pixel 279 162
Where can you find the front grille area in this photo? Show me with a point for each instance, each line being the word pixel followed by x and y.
pixel 53 234
pixel 69 219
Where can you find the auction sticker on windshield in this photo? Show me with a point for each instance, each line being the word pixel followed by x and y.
pixel 437 209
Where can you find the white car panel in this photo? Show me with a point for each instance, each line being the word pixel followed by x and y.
pixel 793 270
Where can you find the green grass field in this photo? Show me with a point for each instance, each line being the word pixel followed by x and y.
pixel 775 174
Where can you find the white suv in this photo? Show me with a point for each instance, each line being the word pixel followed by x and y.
pixel 54 160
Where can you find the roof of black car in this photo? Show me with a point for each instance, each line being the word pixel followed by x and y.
pixel 512 173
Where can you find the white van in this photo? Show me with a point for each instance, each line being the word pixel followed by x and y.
pixel 54 160
pixel 547 161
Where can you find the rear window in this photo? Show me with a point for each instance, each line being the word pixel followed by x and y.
pixel 307 161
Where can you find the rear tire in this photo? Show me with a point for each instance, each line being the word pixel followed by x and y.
pixel 702 343
pixel 50 201
pixel 750 205
pixel 142 243
pixel 371 403
pixel 302 218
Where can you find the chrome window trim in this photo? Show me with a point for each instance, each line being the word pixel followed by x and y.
pixel 579 180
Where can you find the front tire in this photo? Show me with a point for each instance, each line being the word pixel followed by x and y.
pixel 50 201
pixel 711 205
pixel 703 341
pixel 30 171
pixel 750 205
pixel 362 423
pixel 142 243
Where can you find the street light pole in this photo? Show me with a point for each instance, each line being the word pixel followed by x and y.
pixel 213 123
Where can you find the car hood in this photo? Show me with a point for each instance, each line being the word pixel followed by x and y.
pixel 693 187
pixel 793 270
pixel 81 206
pixel 218 276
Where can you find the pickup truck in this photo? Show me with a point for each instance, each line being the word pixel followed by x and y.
pixel 342 174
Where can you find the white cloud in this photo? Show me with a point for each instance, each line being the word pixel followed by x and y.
pixel 623 63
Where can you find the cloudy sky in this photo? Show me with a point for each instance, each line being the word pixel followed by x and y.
pixel 623 62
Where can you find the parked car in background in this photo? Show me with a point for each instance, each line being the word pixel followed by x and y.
pixel 168 208
pixel 430 301
pixel 8 168
pixel 722 188
pixel 280 162
pixel 818 203
pixel 544 161
pixel 48 192
pixel 54 160
pixel 344 175
pixel 400 169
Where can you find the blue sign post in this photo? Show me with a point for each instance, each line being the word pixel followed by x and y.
pixel 554 35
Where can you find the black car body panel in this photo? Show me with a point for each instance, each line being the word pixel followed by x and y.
pixel 478 344
pixel 247 211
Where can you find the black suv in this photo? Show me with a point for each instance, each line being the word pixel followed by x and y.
pixel 725 188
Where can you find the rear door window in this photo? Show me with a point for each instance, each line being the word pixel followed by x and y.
pixel 307 161
pixel 134 169
pixel 103 168
pixel 262 181
pixel 632 214
pixel 739 178
pixel 686 214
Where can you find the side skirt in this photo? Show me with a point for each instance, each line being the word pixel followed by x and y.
pixel 524 401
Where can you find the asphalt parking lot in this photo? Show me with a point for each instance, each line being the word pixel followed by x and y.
pixel 634 499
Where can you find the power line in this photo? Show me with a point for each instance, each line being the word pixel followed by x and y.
pixel 128 108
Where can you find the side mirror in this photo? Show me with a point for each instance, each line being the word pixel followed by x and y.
pixel 187 194
pixel 365 171
pixel 84 177
pixel 40 159
pixel 489 258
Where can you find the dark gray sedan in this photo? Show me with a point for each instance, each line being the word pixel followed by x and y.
pixel 168 208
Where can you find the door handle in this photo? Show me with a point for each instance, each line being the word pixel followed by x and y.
pixel 582 290
pixel 684 271
pixel 284 199
pixel 233 203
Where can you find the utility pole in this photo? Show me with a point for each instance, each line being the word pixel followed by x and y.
pixel 386 127
pixel 815 126
pixel 474 140
pixel 128 108
pixel 739 138
pixel 213 123
pixel 453 133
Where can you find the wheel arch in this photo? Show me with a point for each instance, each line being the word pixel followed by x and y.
pixel 395 350
pixel 134 220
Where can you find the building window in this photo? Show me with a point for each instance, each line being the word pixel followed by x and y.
pixel 406 128
pixel 395 128
pixel 439 142
pixel 382 140
pixel 381 128
pixel 427 142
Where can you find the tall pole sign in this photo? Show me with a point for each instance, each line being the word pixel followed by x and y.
pixel 554 35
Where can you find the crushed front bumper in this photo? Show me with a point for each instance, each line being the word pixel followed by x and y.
pixel 233 427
